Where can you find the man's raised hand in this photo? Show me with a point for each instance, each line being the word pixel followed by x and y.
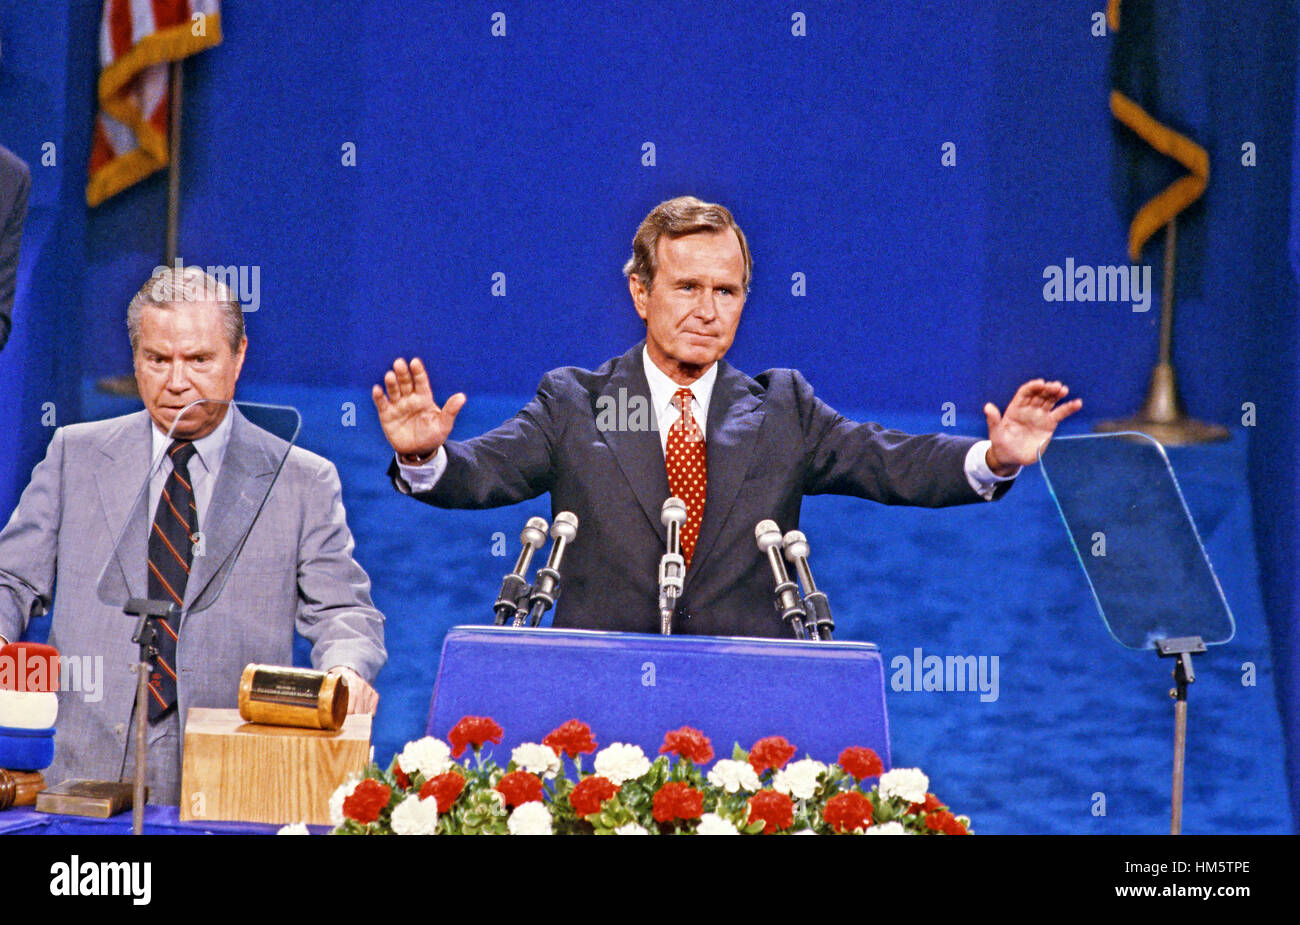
pixel 411 419
pixel 1028 423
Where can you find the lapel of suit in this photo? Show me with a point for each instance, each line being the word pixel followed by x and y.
pixel 639 453
pixel 247 469
pixel 735 415
pixel 121 479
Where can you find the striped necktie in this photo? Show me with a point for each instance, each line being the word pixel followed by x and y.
pixel 688 470
pixel 171 550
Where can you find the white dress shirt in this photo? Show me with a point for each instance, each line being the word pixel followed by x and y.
pixel 204 466
pixel 662 389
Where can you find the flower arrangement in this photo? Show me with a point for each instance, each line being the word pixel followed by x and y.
pixel 427 791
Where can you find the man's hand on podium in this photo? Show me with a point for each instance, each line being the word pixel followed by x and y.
pixel 411 419
pixel 362 698
pixel 1028 423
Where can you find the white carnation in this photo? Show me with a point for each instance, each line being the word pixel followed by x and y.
pixel 428 756
pixel 732 776
pixel 799 779
pixel 713 824
pixel 531 818
pixel 341 793
pixel 631 828
pixel 620 763
pixel 909 784
pixel 414 816
pixel 537 759
pixel 297 828
pixel 887 828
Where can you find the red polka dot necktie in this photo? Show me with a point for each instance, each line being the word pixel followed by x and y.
pixel 687 470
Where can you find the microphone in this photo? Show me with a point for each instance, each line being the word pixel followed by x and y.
pixel 820 624
pixel 547 587
pixel 768 535
pixel 672 567
pixel 515 589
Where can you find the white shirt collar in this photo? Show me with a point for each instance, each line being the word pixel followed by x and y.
pixel 210 449
pixel 662 390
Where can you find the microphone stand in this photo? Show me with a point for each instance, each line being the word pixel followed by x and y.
pixel 820 622
pixel 768 535
pixel 672 567
pixel 514 586
pixel 146 636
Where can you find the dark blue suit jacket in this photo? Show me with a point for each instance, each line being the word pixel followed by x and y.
pixel 769 441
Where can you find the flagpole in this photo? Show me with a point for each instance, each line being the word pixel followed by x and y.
pixel 125 384
pixel 174 93
pixel 1161 415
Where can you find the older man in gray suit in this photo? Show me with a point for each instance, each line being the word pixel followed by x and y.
pixel 238 603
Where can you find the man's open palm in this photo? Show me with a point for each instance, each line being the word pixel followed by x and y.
pixel 1028 423
pixel 412 420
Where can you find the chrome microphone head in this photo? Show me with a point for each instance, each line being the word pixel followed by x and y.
pixel 565 526
pixel 673 511
pixel 796 545
pixel 534 533
pixel 768 534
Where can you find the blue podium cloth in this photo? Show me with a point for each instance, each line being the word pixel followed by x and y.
pixel 158 820
pixel 630 687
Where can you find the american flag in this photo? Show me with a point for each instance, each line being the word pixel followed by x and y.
pixel 137 38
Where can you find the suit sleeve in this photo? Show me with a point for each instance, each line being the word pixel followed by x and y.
pixel 869 461
pixel 335 611
pixel 29 545
pixel 10 237
pixel 510 464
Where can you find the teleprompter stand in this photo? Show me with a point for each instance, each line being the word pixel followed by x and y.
pixel 1138 546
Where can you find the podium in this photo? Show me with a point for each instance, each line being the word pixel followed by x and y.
pixel 631 687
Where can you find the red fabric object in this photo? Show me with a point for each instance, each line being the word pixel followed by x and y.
pixel 519 787
pixel 445 788
pixel 772 752
pixel 861 762
pixel 572 739
pixel 367 800
pixel 774 808
pixel 473 731
pixel 590 794
pixel 677 801
pixel 688 743
pixel 29 666
pixel 848 812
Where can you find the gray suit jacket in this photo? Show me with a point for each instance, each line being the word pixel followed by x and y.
pixel 295 569
pixel 15 182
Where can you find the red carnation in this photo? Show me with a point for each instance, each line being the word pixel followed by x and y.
pixel 848 812
pixel 572 739
pixel 519 787
pixel 590 794
pixel 366 800
pixel 403 779
pixel 945 822
pixel 861 762
pixel 931 803
pixel 473 730
pixel 688 743
pixel 772 752
pixel 677 801
pixel 445 788
pixel 773 807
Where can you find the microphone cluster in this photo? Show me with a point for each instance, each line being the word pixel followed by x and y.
pixel 809 616
pixel 519 602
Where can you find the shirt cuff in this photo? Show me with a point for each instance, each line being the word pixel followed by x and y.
pixel 981 478
pixel 423 478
